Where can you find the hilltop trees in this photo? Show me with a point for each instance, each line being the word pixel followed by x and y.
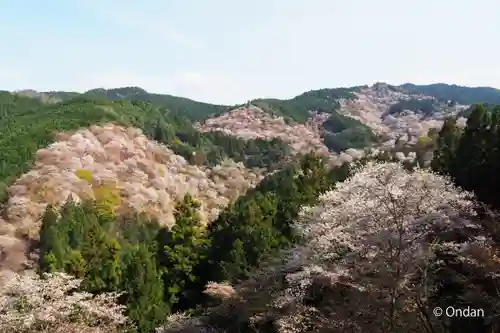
pixel 471 155
pixel 462 95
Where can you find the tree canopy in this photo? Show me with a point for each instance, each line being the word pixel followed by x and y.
pixel 28 125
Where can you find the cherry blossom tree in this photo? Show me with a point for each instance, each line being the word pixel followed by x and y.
pixel 375 231
pixel 53 304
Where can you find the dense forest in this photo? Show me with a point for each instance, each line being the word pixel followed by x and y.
pixel 188 108
pixel 29 124
pixel 472 156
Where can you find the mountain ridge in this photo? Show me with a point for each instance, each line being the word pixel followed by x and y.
pixel 458 93
pixel 355 117
pixel 426 89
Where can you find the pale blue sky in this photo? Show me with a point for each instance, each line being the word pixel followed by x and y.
pixel 229 51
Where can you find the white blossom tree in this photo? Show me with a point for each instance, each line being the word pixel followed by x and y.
pixel 52 304
pixel 372 237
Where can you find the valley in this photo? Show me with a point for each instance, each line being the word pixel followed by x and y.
pixel 161 196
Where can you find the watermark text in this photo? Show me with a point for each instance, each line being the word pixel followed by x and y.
pixel 453 312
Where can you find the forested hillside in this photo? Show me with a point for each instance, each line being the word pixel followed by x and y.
pixel 297 108
pixel 302 121
pixel 185 107
pixel 458 94
pixel 28 125
pixel 167 233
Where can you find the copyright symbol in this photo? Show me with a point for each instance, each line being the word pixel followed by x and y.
pixel 438 312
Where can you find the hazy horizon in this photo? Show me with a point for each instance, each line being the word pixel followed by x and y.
pixel 227 52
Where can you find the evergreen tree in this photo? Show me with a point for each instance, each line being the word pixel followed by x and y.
pixel 236 265
pixel 104 273
pixel 183 247
pixel 53 243
pixel 143 289
pixel 447 142
pixel 75 264
pixel 471 155
pixel 50 263
pixel 492 177
pixel 472 158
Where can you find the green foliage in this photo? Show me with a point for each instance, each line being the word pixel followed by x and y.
pixel 28 125
pixel 260 153
pixel 84 242
pixel 108 198
pixel 161 270
pixel 354 137
pixel 343 132
pixel 182 248
pixel 472 158
pixel 185 107
pixel 446 147
pixel 53 243
pixel 259 224
pixel 104 275
pixel 468 111
pixel 424 106
pixel 75 264
pixel 337 123
pixel 459 94
pixel 237 264
pixel 297 108
pixel 50 263
pixel 143 288
pixel 85 175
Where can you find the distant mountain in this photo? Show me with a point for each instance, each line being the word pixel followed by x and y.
pixel 48 97
pixel 356 117
pixel 459 94
pixel 185 107
pixel 296 109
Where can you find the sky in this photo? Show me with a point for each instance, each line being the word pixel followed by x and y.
pixel 230 51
